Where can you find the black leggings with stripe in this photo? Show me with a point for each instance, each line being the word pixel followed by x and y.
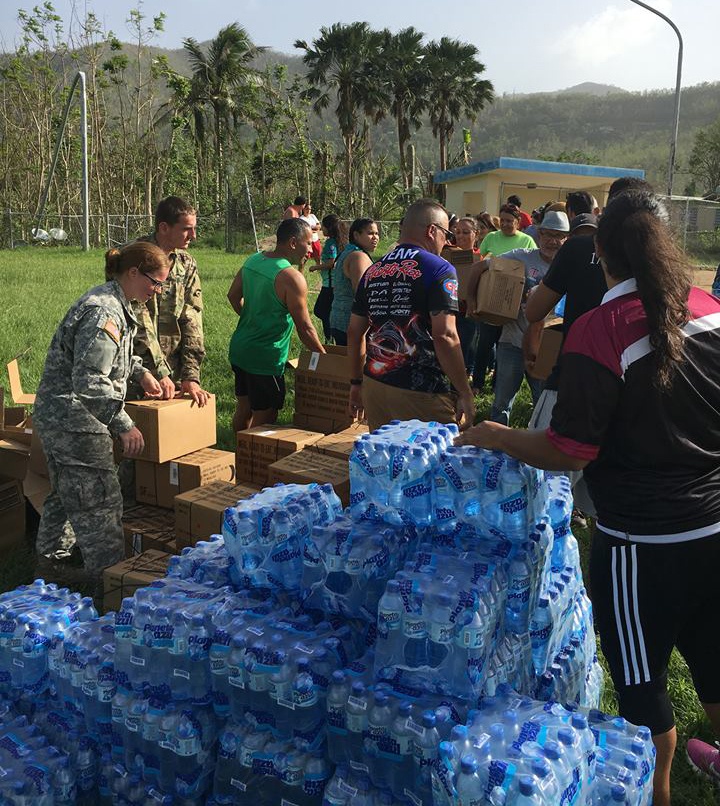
pixel 648 598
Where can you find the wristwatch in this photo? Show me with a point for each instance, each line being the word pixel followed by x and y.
pixel 355 381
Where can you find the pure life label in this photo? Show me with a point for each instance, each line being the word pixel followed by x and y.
pixel 314 361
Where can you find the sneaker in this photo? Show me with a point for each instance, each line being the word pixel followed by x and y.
pixel 704 759
pixel 578 519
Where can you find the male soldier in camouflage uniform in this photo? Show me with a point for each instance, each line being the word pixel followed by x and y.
pixel 170 338
pixel 79 411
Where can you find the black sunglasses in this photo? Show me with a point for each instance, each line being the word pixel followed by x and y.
pixel 449 235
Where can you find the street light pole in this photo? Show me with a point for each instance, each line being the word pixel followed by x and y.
pixel 673 140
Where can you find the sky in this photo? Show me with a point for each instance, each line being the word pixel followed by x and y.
pixel 526 45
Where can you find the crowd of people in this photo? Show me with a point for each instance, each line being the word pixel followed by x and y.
pixel 630 412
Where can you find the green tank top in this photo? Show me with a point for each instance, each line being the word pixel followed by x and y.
pixel 261 341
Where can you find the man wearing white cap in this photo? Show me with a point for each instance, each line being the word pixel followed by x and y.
pixel 509 364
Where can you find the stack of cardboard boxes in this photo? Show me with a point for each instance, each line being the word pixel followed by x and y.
pixel 180 471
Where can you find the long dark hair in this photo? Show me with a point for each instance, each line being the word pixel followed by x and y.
pixel 634 240
pixel 359 225
pixel 331 223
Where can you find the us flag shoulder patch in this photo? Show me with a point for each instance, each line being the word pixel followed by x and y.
pixel 112 330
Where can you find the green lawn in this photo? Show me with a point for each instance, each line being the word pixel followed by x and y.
pixel 39 284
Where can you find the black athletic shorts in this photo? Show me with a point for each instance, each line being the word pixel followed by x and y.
pixel 648 598
pixel 264 391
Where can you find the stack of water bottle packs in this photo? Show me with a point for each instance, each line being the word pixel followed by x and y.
pixel 510 749
pixel 410 650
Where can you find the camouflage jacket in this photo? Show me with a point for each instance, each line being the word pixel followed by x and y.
pixel 170 331
pixel 88 364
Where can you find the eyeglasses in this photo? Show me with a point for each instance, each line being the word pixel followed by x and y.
pixel 156 284
pixel 449 235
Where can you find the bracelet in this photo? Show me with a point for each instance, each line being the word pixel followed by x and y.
pixel 355 381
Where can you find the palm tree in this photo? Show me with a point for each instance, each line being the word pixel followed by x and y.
pixel 406 80
pixel 342 61
pixel 454 90
pixel 221 83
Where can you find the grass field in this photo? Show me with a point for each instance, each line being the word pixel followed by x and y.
pixel 39 284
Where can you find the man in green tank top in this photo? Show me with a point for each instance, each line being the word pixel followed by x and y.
pixel 269 295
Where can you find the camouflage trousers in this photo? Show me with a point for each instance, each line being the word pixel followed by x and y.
pixel 84 491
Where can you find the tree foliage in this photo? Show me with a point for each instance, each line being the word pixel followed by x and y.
pixel 704 160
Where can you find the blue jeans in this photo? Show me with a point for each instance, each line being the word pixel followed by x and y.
pixel 468 332
pixel 509 372
pixel 486 339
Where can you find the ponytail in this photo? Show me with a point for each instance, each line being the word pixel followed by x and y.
pixel 635 241
pixel 141 254
pixel 112 263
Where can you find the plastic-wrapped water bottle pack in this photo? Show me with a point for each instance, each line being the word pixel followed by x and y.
pixel 265 534
pixel 384 739
pixel 391 471
pixel 162 638
pixel 438 621
pixel 277 669
pixel 346 564
pixel 255 766
pixel 33 771
pixel 514 751
pixel 31 619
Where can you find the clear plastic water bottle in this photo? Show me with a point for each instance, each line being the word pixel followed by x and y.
pixel 426 743
pixel 441 630
pixel 390 623
pixel 417 488
pixel 379 725
pixel 518 600
pixel 469 785
pixel 415 633
pixel 403 750
pixel 356 719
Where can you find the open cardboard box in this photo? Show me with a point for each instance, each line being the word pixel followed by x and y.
pixel 20 398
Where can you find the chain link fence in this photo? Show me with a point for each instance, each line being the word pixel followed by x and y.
pixel 18 229
pixel 696 223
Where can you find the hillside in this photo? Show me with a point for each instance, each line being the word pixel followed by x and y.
pixel 605 124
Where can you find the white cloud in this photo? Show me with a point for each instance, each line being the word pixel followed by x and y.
pixel 611 33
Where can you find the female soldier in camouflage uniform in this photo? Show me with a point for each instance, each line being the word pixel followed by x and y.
pixel 79 409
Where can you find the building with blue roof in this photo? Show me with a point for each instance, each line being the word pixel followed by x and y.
pixel 486 185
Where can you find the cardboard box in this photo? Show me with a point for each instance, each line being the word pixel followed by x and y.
pixel 37 463
pixel 146 528
pixel 173 428
pixel 547 355
pixel 466 264
pixel 36 484
pixel 258 448
pixel 307 466
pixel 499 292
pixel 340 445
pixel 704 278
pixel 322 425
pixel 124 578
pixel 12 514
pixel 20 398
pixel 199 512
pixel 158 484
pixel 322 387
pixel 14 422
pixel 14 457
